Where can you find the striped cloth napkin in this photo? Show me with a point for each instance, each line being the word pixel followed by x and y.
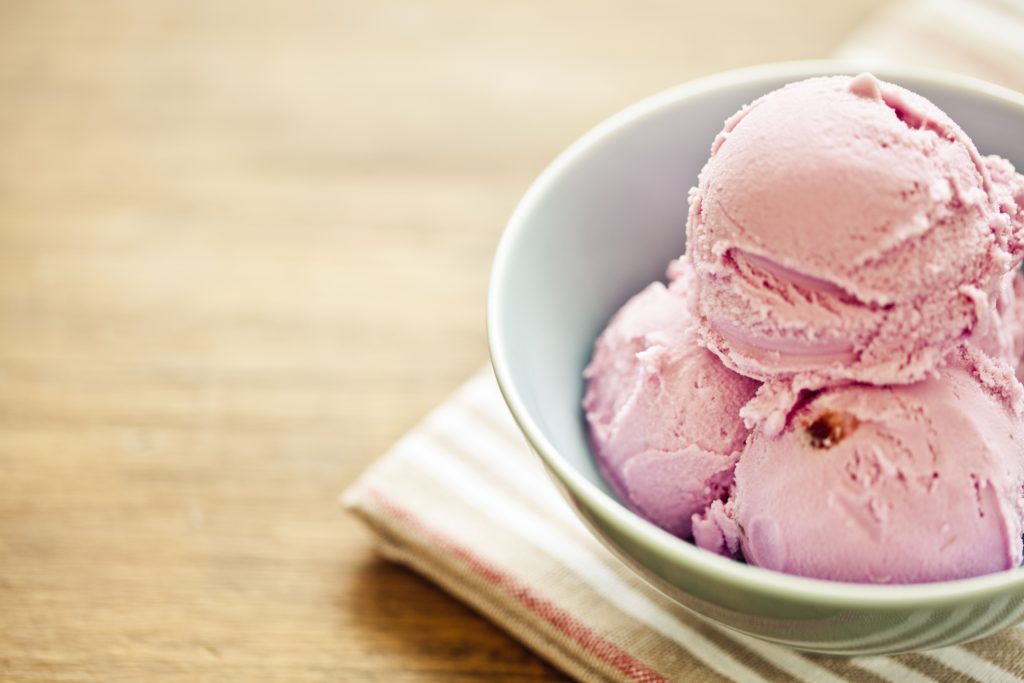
pixel 463 501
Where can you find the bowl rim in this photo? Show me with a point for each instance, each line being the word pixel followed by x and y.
pixel 680 552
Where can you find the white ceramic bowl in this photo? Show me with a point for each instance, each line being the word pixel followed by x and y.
pixel 602 221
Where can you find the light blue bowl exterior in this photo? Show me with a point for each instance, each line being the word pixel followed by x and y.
pixel 604 220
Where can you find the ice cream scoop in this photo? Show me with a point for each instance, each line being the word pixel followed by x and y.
pixel 896 484
pixel 663 412
pixel 845 229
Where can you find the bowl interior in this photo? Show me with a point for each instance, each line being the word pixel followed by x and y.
pixel 609 214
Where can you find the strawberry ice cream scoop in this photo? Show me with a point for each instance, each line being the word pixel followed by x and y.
pixel 846 229
pixel 663 412
pixel 897 484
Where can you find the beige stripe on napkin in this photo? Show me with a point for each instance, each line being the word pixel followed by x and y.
pixel 981 39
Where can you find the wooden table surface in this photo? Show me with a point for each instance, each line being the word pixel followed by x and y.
pixel 243 247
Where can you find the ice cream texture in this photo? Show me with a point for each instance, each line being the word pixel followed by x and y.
pixel 882 484
pixel 846 230
pixel 826 386
pixel 664 412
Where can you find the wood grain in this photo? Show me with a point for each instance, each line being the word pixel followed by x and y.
pixel 244 247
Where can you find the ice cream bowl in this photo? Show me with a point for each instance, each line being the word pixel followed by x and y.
pixel 602 221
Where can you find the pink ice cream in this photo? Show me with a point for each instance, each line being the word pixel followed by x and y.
pixel 827 386
pixel 897 484
pixel 1002 334
pixel 664 412
pixel 1005 337
pixel 1014 322
pixel 844 230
